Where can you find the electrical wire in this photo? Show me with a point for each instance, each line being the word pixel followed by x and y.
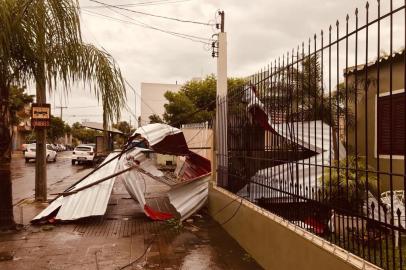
pixel 150 3
pixel 83 107
pixel 152 15
pixel 155 28
pixel 234 214
pixel 176 34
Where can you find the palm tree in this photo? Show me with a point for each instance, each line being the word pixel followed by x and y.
pixel 41 41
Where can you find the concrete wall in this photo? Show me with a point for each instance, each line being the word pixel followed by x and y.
pixel 199 137
pixel 153 99
pixel 275 243
pixel 162 159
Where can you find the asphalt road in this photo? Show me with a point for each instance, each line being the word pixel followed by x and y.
pixel 23 174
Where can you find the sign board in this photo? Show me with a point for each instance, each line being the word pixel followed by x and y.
pixel 40 115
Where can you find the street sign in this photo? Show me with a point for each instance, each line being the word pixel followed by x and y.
pixel 40 115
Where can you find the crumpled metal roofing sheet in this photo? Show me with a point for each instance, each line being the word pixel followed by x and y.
pixel 189 197
pixel 89 202
pixel 155 133
pixel 164 139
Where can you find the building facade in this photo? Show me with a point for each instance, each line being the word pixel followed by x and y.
pixel 153 100
pixel 378 133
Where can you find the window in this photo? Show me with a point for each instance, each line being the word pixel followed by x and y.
pixel 391 132
pixel 81 148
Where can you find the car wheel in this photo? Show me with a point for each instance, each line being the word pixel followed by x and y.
pixel 47 159
pixel 27 160
pixel 55 158
pixel 73 162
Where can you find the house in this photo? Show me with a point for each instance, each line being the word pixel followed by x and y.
pixel 23 129
pixel 153 100
pixel 380 105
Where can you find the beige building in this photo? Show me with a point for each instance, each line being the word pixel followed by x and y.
pixel 153 100
pixel 376 140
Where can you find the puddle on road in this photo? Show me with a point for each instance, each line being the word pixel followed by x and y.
pixel 201 244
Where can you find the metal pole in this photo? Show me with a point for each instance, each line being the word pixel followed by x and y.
pixel 61 107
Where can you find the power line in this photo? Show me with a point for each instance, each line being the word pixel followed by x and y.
pixel 180 35
pixel 84 107
pixel 142 100
pixel 152 27
pixel 152 15
pixel 150 3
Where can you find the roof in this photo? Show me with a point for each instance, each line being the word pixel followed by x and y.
pixel 164 139
pixel 99 126
pixel 383 59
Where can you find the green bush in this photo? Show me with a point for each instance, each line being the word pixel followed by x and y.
pixel 346 185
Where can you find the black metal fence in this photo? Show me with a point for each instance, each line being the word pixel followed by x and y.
pixel 318 136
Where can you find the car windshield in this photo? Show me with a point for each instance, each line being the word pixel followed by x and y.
pixel 83 148
pixel 49 147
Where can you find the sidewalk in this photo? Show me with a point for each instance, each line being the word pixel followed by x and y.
pixel 122 239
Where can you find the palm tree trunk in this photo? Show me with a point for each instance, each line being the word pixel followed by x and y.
pixel 105 133
pixel 40 156
pixel 6 200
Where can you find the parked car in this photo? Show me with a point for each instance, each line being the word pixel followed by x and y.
pixel 83 153
pixel 30 153
pixel 54 147
pixel 25 145
pixel 69 147
pixel 61 147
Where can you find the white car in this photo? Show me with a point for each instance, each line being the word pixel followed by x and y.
pixel 30 153
pixel 83 153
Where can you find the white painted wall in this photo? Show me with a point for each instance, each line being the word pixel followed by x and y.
pixel 153 100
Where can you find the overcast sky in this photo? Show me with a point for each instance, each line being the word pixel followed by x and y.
pixel 258 31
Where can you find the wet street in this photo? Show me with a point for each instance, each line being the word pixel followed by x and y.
pixel 124 238
pixel 23 174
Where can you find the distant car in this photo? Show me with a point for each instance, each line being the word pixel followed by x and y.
pixel 83 153
pixel 62 147
pixel 54 147
pixel 30 153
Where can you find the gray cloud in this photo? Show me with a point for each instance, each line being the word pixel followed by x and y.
pixel 258 31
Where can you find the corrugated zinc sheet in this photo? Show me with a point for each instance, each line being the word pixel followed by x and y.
pixel 89 202
pixel 190 197
pixel 155 133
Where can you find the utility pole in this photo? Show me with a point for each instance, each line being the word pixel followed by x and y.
pixel 61 107
pixel 40 132
pixel 221 110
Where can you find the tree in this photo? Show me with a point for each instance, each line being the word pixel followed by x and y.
pixel 124 127
pixel 349 186
pixel 18 101
pixel 154 118
pixel 56 129
pixel 197 97
pixel 300 95
pixel 68 129
pixel 41 40
pixel 85 135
